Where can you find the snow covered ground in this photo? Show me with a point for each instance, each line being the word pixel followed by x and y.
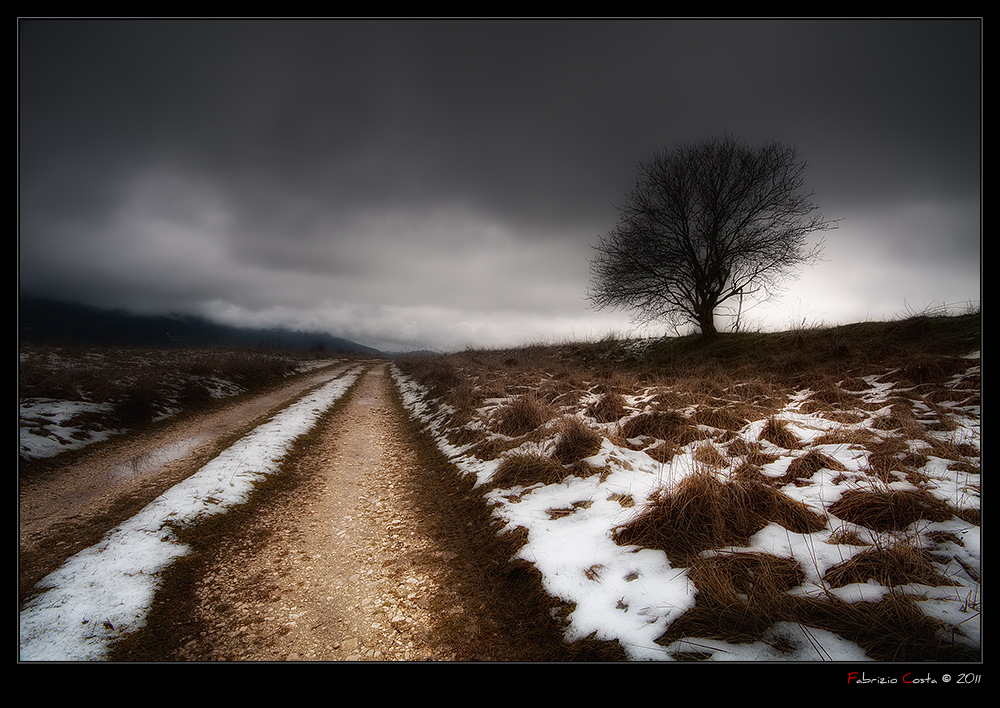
pixel 623 593
pixel 48 426
pixel 632 594
pixel 105 591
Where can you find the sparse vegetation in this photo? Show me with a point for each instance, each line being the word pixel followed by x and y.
pixel 117 389
pixel 861 440
pixel 735 425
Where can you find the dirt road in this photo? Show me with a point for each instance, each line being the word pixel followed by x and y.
pixel 67 506
pixel 367 547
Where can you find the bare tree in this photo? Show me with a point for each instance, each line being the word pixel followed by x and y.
pixel 705 224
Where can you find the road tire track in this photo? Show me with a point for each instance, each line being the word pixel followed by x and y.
pixel 68 504
pixel 368 547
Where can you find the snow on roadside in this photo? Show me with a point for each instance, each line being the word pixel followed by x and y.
pixel 103 593
pixel 46 426
pixel 632 595
pixel 50 426
pixel 618 592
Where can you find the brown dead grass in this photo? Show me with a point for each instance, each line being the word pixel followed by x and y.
pixel 740 595
pixel 142 385
pixel 609 408
pixel 777 433
pixel 576 441
pixel 521 416
pixel 721 418
pixel 723 384
pixel 752 452
pixel 527 470
pixel 805 466
pixel 894 629
pixel 900 419
pixel 702 512
pixel 899 564
pixel 672 428
pixel 708 455
pixel 889 510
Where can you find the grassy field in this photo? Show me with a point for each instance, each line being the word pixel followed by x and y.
pixel 861 439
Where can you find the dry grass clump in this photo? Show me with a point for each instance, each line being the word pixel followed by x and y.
pixel 894 629
pixel 465 398
pixel 955 451
pixel 464 436
pixel 929 369
pixel 702 512
pixel 748 573
pixel 708 455
pixel 740 599
pixel 831 400
pixel 893 455
pixel 752 452
pixel 492 448
pixel 576 441
pixel 899 418
pixel 758 393
pixel 721 418
pixel 663 453
pixel 740 595
pixel 900 564
pixel 439 375
pixel 889 510
pixel 805 466
pixel 663 425
pixel 521 416
pixel 847 537
pixel 669 426
pixel 609 408
pixel 527 470
pixel 777 433
pixel 857 437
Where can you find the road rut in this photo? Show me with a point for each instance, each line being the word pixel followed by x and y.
pixel 67 505
pixel 367 547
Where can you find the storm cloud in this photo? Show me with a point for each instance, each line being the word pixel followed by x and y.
pixel 439 183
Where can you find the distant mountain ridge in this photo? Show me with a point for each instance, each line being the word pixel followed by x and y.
pixel 50 321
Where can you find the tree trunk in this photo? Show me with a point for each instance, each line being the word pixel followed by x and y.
pixel 706 321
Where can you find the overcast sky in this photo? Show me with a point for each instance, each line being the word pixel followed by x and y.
pixel 439 184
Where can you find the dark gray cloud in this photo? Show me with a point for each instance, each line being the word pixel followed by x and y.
pixel 436 183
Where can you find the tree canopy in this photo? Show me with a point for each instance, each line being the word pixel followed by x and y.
pixel 705 224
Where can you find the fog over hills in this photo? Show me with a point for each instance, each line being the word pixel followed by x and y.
pixel 54 322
